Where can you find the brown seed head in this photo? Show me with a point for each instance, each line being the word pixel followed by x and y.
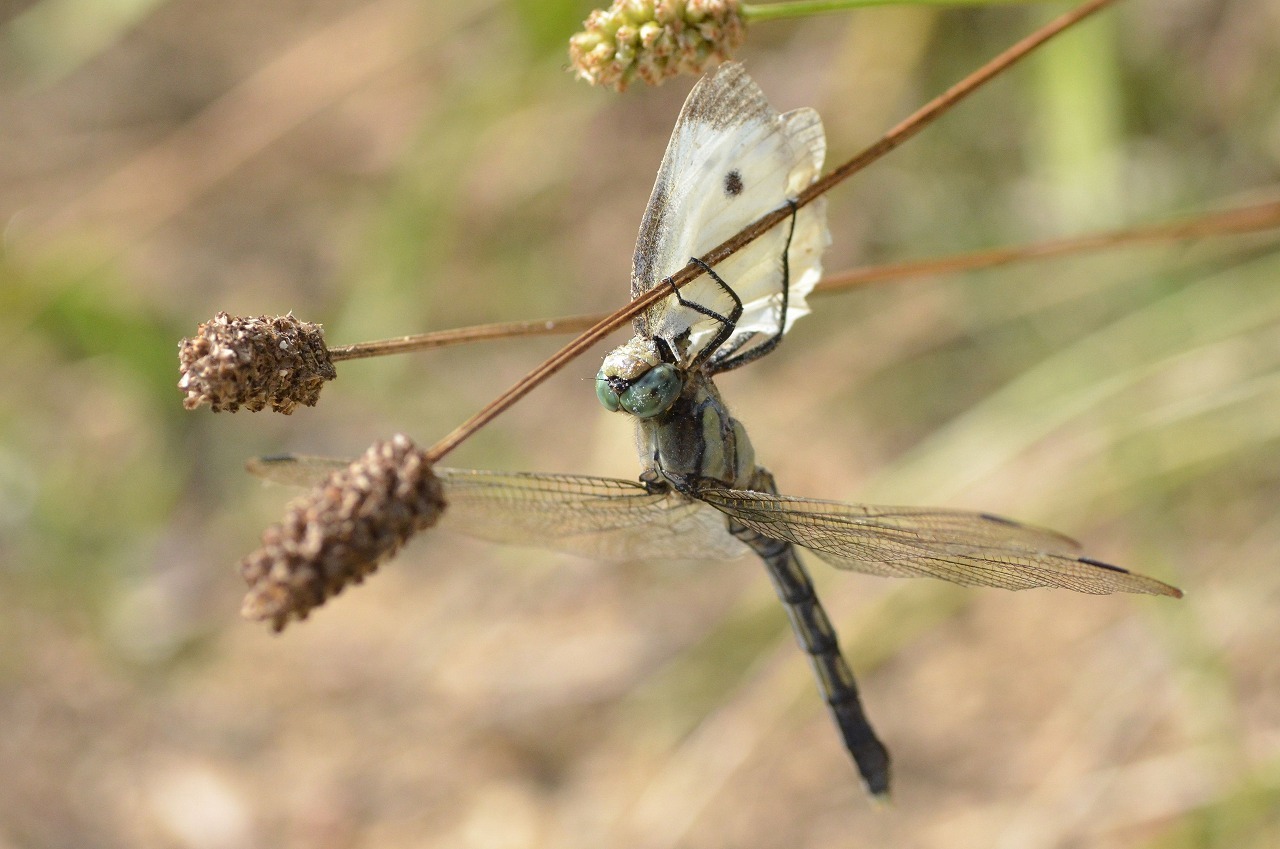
pixel 340 531
pixel 252 362
pixel 655 39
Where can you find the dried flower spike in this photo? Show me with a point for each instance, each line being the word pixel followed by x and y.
pixel 340 531
pixel 253 362
pixel 655 39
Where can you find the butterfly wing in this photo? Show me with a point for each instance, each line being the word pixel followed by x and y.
pixel 602 518
pixel 731 159
pixel 972 549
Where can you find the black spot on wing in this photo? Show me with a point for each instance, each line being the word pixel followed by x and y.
pixel 733 183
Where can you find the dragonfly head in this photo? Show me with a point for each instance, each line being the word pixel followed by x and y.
pixel 635 377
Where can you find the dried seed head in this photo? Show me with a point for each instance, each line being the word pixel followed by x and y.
pixel 340 531
pixel 235 361
pixel 655 39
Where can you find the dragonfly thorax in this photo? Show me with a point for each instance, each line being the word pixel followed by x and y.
pixel 635 377
pixel 696 443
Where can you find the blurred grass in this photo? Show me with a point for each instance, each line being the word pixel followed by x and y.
pixel 389 167
pixel 54 38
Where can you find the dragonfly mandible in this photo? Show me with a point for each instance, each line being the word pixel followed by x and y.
pixel 701 494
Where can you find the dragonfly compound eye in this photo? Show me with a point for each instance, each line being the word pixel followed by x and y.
pixel 606 393
pixel 653 393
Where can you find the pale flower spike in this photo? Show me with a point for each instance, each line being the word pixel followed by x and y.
pixel 652 41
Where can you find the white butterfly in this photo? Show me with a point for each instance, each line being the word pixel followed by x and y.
pixel 731 159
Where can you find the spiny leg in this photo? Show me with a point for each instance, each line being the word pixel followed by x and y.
pixel 727 323
pixel 731 358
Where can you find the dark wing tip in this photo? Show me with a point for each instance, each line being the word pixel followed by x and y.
pixel 1102 565
pixel 1069 542
pixel 1155 587
pixel 269 459
pixel 258 465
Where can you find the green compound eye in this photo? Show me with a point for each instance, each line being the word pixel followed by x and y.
pixel 608 397
pixel 652 394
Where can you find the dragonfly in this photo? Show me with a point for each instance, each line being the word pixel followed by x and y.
pixel 701 494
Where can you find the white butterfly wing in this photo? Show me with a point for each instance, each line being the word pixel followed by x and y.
pixel 732 158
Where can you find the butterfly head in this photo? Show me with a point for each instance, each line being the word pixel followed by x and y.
pixel 638 378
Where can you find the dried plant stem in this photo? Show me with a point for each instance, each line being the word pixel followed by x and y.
pixel 890 140
pixel 1246 219
pixel 1235 221
pixel 458 336
pixel 912 125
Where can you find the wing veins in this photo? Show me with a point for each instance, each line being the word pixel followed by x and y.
pixel 971 549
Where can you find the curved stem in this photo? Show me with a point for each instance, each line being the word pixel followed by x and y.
pixel 1228 222
pixel 462 335
pixel 890 140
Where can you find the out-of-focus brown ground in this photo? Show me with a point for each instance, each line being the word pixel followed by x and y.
pixel 390 167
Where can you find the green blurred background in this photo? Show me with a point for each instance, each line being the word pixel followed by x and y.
pixel 394 166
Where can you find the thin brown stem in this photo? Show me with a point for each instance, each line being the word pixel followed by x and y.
pixel 890 140
pixel 913 124
pixel 1245 219
pixel 461 335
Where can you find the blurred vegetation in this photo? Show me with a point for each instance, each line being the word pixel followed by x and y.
pixel 391 166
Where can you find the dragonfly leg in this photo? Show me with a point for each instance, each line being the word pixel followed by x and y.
pixel 818 639
pixel 734 356
pixel 727 322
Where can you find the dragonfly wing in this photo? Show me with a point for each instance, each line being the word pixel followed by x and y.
pixel 294 469
pixel 603 518
pixel 973 549
pixel 731 159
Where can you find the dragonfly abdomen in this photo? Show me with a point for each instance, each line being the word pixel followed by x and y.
pixel 817 637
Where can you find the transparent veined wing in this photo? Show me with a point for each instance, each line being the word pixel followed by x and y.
pixel 732 158
pixel 603 518
pixel 294 469
pixel 973 549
